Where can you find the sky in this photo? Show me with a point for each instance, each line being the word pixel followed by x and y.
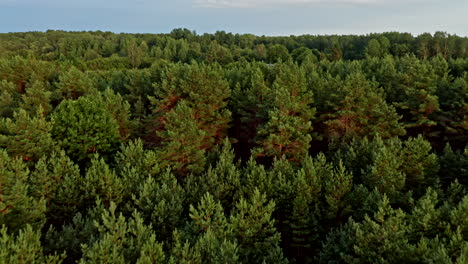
pixel 260 17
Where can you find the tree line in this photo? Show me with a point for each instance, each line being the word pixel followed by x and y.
pixel 228 148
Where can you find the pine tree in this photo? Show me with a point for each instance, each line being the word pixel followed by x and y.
pixel 9 98
pixel 204 90
pixel 337 185
pixel 123 240
pixel 29 137
pixel 17 70
pixel 161 202
pixel 183 148
pixel 250 105
pixel 70 236
pixel 17 206
pixel 415 97
pixel 134 165
pixel 287 129
pixel 37 96
pixel 255 230
pixel 380 238
pixel 84 127
pixel 453 166
pixel 360 110
pixel 420 165
pixel 57 180
pixel 209 216
pixel 304 220
pixel 214 243
pixel 24 248
pixel 222 180
pixel 101 182
pixel 376 164
pixel 74 83
pixel 120 111
pixel 453 114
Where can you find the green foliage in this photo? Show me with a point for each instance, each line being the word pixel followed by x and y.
pixel 17 206
pixel 29 136
pixel 358 110
pixel 136 52
pixel 161 203
pixel 24 248
pixel 57 180
pixel 391 165
pixel 453 166
pixel 134 164
pixel 37 98
pixel 276 53
pixel 233 148
pixel 9 98
pixel 85 127
pixel 183 149
pixel 254 230
pixel 101 182
pixel 223 180
pixel 73 84
pixel 190 115
pixel 119 108
pixel 69 237
pixel 374 49
pixel 287 129
pixel 123 241
pixel 204 89
pixel 424 234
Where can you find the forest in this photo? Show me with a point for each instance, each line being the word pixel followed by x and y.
pixel 233 148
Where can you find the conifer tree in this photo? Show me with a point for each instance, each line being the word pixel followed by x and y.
pixel 16 70
pixel 161 202
pixel 222 180
pixel 70 236
pixel 359 110
pixel 214 243
pixel 320 203
pixel 101 182
pixel 123 241
pixel 420 165
pixel 57 180
pixel 29 136
pixel 24 248
pixel 9 98
pixel 134 165
pixel 304 220
pixel 452 166
pixel 74 83
pixel 453 116
pixel 250 105
pixel 17 206
pixel 415 96
pixel 37 96
pixel 119 108
pixel 204 90
pixel 380 237
pixel 254 230
pixel 183 148
pixel 289 120
pixel 84 127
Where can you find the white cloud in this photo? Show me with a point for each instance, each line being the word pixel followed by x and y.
pixel 262 3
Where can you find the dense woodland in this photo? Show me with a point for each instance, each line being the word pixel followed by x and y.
pixel 227 148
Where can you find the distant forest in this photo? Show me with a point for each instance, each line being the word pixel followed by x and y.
pixel 228 148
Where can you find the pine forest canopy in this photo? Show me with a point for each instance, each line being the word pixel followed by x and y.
pixel 229 148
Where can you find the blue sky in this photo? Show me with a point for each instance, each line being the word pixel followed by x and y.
pixel 262 17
